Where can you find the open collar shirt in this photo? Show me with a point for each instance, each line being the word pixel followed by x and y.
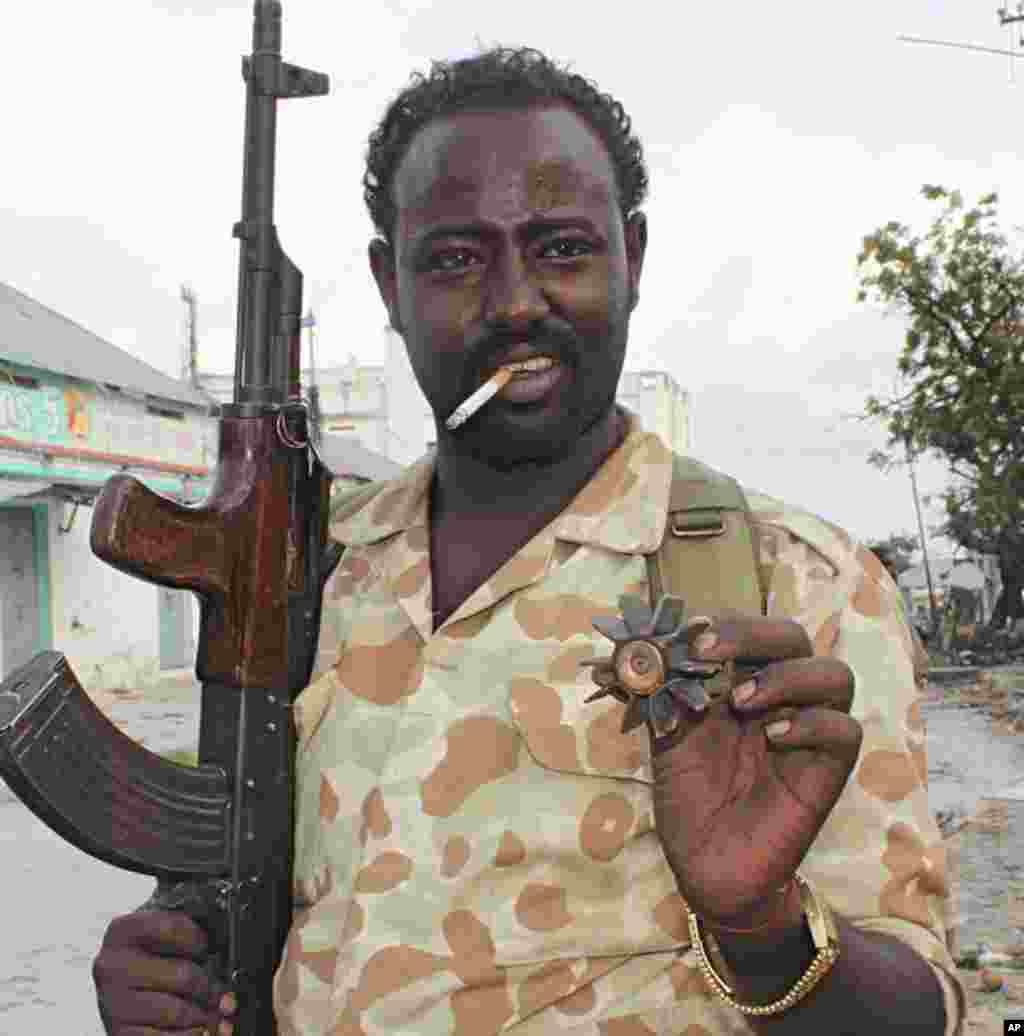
pixel 475 845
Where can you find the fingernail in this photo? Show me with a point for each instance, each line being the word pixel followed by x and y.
pixel 228 1004
pixel 742 694
pixel 779 728
pixel 705 642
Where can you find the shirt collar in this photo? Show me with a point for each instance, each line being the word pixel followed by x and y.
pixel 622 508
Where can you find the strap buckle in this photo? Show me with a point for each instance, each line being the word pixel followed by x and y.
pixel 688 525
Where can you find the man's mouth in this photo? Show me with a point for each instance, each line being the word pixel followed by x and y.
pixel 532 379
pixel 532 366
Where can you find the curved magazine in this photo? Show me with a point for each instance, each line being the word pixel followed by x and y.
pixel 99 789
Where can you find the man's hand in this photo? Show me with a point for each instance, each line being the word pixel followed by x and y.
pixel 149 978
pixel 737 805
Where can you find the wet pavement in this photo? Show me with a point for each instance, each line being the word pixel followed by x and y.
pixel 58 900
pixel 976 773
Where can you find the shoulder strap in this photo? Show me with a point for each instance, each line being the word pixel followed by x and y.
pixel 709 554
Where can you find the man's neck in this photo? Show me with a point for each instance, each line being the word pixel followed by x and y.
pixel 466 488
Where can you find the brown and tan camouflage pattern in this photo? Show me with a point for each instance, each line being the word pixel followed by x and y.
pixel 475 846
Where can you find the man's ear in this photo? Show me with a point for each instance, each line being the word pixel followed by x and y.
pixel 636 247
pixel 382 266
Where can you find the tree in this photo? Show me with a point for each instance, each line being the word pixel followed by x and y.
pixel 961 288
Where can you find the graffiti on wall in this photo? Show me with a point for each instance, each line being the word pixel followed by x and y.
pixel 78 414
pixel 32 413
pixel 69 416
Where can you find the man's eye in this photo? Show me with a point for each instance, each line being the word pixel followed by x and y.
pixel 566 248
pixel 452 260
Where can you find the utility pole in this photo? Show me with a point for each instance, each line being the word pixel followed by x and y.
pixel 190 362
pixel 924 547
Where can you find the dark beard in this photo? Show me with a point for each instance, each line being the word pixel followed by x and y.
pixel 490 444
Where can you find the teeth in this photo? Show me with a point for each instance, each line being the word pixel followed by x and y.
pixel 537 363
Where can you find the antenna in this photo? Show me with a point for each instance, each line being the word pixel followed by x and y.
pixel 189 363
pixel 1007 19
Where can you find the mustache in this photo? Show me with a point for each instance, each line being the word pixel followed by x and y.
pixel 549 338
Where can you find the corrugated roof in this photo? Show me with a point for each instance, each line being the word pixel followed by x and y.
pixel 34 335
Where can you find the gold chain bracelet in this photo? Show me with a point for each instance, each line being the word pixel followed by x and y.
pixel 826 942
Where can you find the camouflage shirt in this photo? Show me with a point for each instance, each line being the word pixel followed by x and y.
pixel 475 846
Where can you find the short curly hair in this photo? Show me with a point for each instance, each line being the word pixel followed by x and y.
pixel 501 77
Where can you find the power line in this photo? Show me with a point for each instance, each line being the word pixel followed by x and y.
pixel 960 46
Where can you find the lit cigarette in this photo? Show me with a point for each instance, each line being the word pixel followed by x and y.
pixel 486 391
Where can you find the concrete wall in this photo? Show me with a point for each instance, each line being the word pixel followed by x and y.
pixel 661 405
pixel 100 419
pixel 354 401
pixel 410 418
pixel 24 584
pixel 104 621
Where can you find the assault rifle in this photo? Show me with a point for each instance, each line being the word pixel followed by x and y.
pixel 218 837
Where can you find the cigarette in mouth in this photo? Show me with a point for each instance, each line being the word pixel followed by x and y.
pixel 490 388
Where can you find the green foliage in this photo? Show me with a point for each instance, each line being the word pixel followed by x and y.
pixel 960 287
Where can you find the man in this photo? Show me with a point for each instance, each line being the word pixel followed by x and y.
pixel 477 848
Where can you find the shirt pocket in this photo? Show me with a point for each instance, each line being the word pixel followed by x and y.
pixel 562 731
pixel 547 685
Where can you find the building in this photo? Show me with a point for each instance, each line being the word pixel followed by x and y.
pixel 353 419
pixel 74 410
pixel 978 574
pixel 656 398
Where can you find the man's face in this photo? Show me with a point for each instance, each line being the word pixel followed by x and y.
pixel 508 243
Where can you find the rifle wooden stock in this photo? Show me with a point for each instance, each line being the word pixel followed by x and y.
pixel 241 551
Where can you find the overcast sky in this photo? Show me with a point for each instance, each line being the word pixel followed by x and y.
pixel 777 135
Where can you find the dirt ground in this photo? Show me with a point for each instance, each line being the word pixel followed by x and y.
pixel 988 1007
pixel 987 1011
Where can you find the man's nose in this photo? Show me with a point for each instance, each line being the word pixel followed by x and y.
pixel 514 295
